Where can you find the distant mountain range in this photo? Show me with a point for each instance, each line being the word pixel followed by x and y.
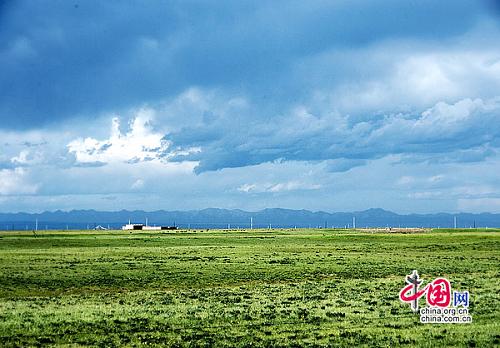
pixel 235 218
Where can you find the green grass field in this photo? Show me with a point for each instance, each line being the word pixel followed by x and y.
pixel 297 288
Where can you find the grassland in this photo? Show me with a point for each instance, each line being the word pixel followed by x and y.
pixel 240 288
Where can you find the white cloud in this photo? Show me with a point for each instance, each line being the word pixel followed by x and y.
pixel 22 158
pixel 426 195
pixel 137 185
pixel 444 128
pixel 422 181
pixel 406 75
pixel 27 158
pixel 40 147
pixel 278 187
pixel 140 143
pixel 247 187
pixel 292 186
pixel 16 182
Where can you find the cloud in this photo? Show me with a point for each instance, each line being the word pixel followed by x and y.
pixel 27 158
pixel 139 144
pixel 16 182
pixel 404 76
pixel 463 192
pixel 137 185
pixel 459 131
pixel 458 126
pixel 292 186
pixel 278 187
pixel 35 148
pixel 372 91
pixel 135 54
pixel 174 187
pixel 265 101
pixel 247 188
pixel 426 195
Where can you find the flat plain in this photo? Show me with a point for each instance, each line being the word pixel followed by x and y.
pixel 253 288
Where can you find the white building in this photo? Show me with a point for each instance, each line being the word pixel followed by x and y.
pixel 130 226
pixel 151 228
pixel 142 227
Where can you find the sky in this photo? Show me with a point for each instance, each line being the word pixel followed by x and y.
pixel 319 105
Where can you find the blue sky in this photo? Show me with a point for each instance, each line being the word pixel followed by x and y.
pixel 321 105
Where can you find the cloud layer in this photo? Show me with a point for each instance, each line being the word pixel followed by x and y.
pixel 467 130
pixel 339 105
pixel 93 56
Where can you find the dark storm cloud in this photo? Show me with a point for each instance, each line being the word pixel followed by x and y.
pixel 61 59
pixel 465 131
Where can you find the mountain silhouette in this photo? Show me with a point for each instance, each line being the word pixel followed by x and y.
pixel 236 218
